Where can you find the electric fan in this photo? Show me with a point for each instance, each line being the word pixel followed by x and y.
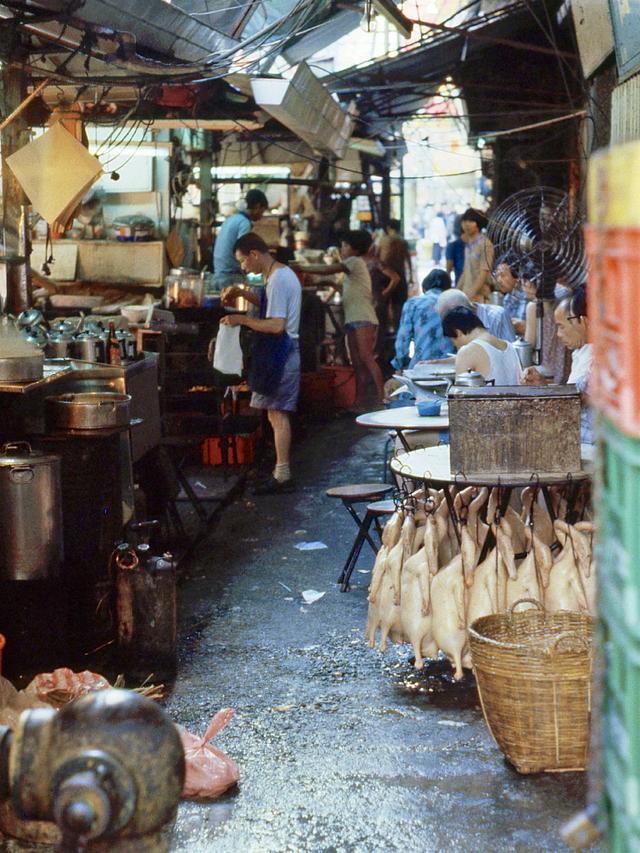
pixel 541 226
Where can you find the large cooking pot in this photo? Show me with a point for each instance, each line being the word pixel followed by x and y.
pixel 92 410
pixel 30 513
pixel 22 368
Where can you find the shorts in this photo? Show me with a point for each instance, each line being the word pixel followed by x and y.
pixel 358 324
pixel 285 398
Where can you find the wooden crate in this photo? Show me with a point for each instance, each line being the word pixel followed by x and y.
pixel 515 430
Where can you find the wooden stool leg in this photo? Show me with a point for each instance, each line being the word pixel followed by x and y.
pixel 359 522
pixel 352 559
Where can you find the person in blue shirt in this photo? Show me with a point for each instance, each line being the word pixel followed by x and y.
pixel 420 324
pixel 510 274
pixel 226 269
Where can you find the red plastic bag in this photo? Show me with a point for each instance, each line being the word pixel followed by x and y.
pixel 209 771
pixel 62 685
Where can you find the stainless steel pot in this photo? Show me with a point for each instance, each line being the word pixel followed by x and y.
pixel 59 345
pixel 88 346
pixel 24 368
pixel 127 342
pixel 525 352
pixel 471 379
pixel 94 410
pixel 30 514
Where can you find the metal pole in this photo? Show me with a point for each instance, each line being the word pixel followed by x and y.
pixel 14 201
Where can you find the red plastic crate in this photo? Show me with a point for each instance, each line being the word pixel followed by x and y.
pixel 614 318
pixel 212 450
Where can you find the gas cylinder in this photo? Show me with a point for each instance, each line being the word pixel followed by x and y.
pixel 146 613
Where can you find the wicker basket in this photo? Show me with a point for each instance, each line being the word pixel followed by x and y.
pixel 533 671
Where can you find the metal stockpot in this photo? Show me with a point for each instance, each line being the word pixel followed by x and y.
pixel 58 345
pixel 88 346
pixel 93 410
pixel 30 513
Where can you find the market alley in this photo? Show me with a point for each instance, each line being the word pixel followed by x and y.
pixel 339 747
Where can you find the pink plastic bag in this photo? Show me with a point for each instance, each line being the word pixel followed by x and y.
pixel 62 685
pixel 209 771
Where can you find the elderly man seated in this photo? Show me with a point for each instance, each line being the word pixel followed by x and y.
pixel 573 331
pixel 478 350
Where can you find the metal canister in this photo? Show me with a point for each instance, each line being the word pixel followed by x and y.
pixel 525 352
pixel 30 513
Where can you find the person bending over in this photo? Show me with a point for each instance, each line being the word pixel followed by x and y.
pixel 478 350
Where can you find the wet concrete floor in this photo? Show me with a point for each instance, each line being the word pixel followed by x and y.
pixel 340 748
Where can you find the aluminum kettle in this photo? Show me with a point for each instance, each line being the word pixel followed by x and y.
pixel 525 352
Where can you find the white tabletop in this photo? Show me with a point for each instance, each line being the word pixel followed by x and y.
pixel 432 463
pixel 404 417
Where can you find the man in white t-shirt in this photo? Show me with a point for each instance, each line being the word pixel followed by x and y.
pixel 281 314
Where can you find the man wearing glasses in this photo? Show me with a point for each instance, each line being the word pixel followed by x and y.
pixel 573 329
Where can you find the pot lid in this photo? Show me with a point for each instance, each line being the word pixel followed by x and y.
pixel 21 453
pixel 471 377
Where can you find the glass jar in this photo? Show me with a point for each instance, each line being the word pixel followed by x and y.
pixel 183 288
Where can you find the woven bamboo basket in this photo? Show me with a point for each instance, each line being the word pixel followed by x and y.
pixel 533 671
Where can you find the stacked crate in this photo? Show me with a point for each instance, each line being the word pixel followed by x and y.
pixel 613 245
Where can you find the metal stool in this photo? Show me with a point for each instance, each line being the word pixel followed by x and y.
pixel 350 495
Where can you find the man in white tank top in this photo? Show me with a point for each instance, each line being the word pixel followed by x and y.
pixel 495 359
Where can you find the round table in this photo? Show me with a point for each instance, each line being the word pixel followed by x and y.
pixel 432 465
pixel 401 419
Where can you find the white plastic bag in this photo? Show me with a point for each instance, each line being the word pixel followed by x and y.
pixel 227 355
pixel 209 771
